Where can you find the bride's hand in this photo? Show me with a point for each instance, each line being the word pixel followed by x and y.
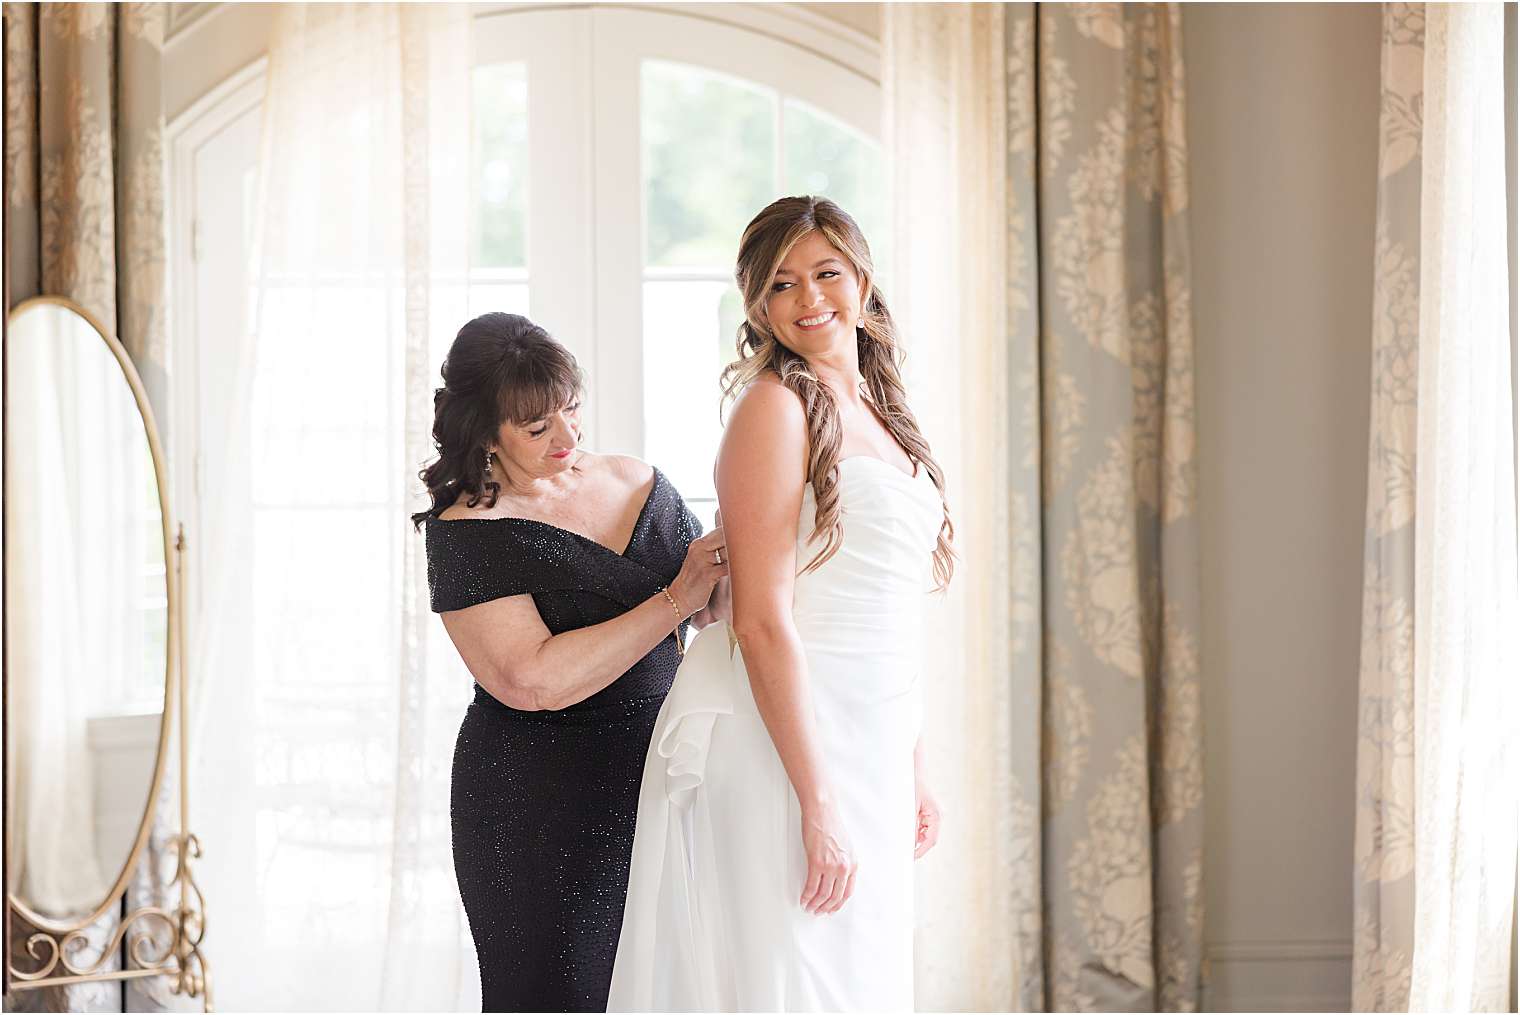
pixel 831 861
pixel 927 821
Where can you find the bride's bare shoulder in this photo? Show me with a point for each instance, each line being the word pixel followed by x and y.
pixel 767 426
pixel 767 403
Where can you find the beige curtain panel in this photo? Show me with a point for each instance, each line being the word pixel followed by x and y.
pixel 84 160
pixel 1067 724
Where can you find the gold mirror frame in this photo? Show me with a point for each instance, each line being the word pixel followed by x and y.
pixel 177 954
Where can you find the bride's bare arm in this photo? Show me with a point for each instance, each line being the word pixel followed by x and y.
pixel 761 468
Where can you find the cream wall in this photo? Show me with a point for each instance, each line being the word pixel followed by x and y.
pixel 864 18
pixel 1283 130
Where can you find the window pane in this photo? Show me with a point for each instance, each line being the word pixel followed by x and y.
pixel 688 338
pixel 709 163
pixel 493 297
pixel 501 165
pixel 324 408
pixel 452 304
pixel 829 159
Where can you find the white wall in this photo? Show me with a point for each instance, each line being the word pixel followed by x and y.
pixel 1283 131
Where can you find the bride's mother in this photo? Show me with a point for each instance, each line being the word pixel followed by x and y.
pixel 562 577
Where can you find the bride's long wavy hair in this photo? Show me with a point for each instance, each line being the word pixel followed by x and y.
pixel 766 242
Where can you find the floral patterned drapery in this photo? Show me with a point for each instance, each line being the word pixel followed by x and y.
pixel 84 130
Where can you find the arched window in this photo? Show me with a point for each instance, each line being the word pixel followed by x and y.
pixel 652 137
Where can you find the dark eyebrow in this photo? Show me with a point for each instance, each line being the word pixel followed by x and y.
pixel 544 419
pixel 820 264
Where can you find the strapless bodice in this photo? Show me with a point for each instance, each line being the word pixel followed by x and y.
pixel 867 599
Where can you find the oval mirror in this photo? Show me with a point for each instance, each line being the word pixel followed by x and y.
pixel 87 612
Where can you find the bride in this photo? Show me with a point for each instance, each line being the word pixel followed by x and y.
pixel 783 798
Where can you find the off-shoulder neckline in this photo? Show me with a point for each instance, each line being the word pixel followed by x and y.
pixel 638 523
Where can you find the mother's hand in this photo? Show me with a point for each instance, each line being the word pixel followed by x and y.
pixel 721 605
pixel 704 566
pixel 831 861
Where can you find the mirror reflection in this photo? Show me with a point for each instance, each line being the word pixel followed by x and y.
pixel 87 614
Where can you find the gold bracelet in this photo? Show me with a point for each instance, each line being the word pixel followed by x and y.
pixel 680 649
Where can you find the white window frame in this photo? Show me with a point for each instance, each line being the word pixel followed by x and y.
pixel 597 221
pixel 223 108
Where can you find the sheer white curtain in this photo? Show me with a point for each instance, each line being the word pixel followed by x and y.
pixel 946 121
pixel 327 696
pixel 1466 604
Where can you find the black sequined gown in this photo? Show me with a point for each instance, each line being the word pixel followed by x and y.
pixel 543 803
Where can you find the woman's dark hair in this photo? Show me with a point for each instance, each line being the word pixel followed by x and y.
pixel 501 367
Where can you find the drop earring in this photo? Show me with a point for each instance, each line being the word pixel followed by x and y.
pixel 488 465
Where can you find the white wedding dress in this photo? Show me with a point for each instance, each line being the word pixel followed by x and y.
pixel 713 921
